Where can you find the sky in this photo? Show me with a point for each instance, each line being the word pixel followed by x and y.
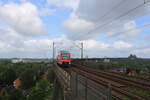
pixel 107 28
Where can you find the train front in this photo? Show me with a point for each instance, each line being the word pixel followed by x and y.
pixel 65 58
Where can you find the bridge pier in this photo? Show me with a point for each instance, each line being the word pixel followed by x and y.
pixel 66 94
pixel 77 86
pixel 57 87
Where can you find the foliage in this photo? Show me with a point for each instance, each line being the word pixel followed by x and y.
pixel 5 62
pixel 2 97
pixel 7 76
pixel 141 93
pixel 30 76
pixel 51 76
pixel 40 91
pixel 16 95
pixel 27 79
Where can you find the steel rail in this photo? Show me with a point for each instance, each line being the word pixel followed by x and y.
pixel 99 81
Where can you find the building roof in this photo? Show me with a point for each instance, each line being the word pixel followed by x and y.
pixel 17 83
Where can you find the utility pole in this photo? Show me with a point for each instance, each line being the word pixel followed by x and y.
pixel 53 51
pixel 82 50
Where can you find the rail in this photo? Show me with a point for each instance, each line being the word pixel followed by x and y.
pixel 80 87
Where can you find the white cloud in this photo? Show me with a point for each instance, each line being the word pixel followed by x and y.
pixel 2 46
pixel 23 21
pixel 130 31
pixel 127 32
pixel 37 45
pixel 10 36
pixel 64 3
pixel 24 18
pixel 94 48
pixel 23 47
pixel 104 16
pixel 91 44
pixel 46 11
pixel 120 45
pixel 43 47
pixel 105 10
pixel 75 28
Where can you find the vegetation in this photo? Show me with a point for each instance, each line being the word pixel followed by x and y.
pixel 40 91
pixel 7 76
pixel 51 76
pixel 141 93
pixel 32 87
pixel 27 79
pixel 16 95
pixel 141 66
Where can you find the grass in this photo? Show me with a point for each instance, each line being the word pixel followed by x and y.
pixel 141 93
pixel 49 94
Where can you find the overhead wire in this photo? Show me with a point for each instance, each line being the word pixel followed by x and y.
pixel 118 4
pixel 143 26
pixel 108 12
pixel 118 17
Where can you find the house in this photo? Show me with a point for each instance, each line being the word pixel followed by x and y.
pixel 3 90
pixel 43 77
pixel 17 83
pixel 132 73
pixel 106 60
pixel 132 57
pixel 113 70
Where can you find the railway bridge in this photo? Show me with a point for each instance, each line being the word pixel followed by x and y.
pixel 78 85
pixel 80 82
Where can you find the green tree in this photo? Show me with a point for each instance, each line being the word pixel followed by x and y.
pixel 148 67
pixel 27 79
pixel 7 76
pixel 51 76
pixel 3 97
pixel 40 91
pixel 16 95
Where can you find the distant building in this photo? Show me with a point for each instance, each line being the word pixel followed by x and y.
pixel 113 70
pixel 132 73
pixel 43 77
pixel 16 60
pixel 86 57
pixel 132 57
pixel 29 60
pixel 106 60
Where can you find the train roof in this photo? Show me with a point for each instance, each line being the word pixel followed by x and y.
pixel 64 51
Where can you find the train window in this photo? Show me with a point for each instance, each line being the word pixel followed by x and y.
pixel 58 57
pixel 65 56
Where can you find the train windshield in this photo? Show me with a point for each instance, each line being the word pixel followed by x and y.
pixel 65 56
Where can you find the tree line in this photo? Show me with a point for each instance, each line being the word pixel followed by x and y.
pixel 32 87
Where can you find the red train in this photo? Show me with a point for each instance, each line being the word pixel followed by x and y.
pixel 64 58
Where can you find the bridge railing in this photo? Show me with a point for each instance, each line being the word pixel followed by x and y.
pixel 62 76
pixel 85 89
pixel 78 87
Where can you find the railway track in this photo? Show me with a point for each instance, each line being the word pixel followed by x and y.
pixel 99 81
pixel 105 79
pixel 117 82
pixel 118 78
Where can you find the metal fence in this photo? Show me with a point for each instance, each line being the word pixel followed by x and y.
pixel 85 89
pixel 77 87
pixel 63 76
